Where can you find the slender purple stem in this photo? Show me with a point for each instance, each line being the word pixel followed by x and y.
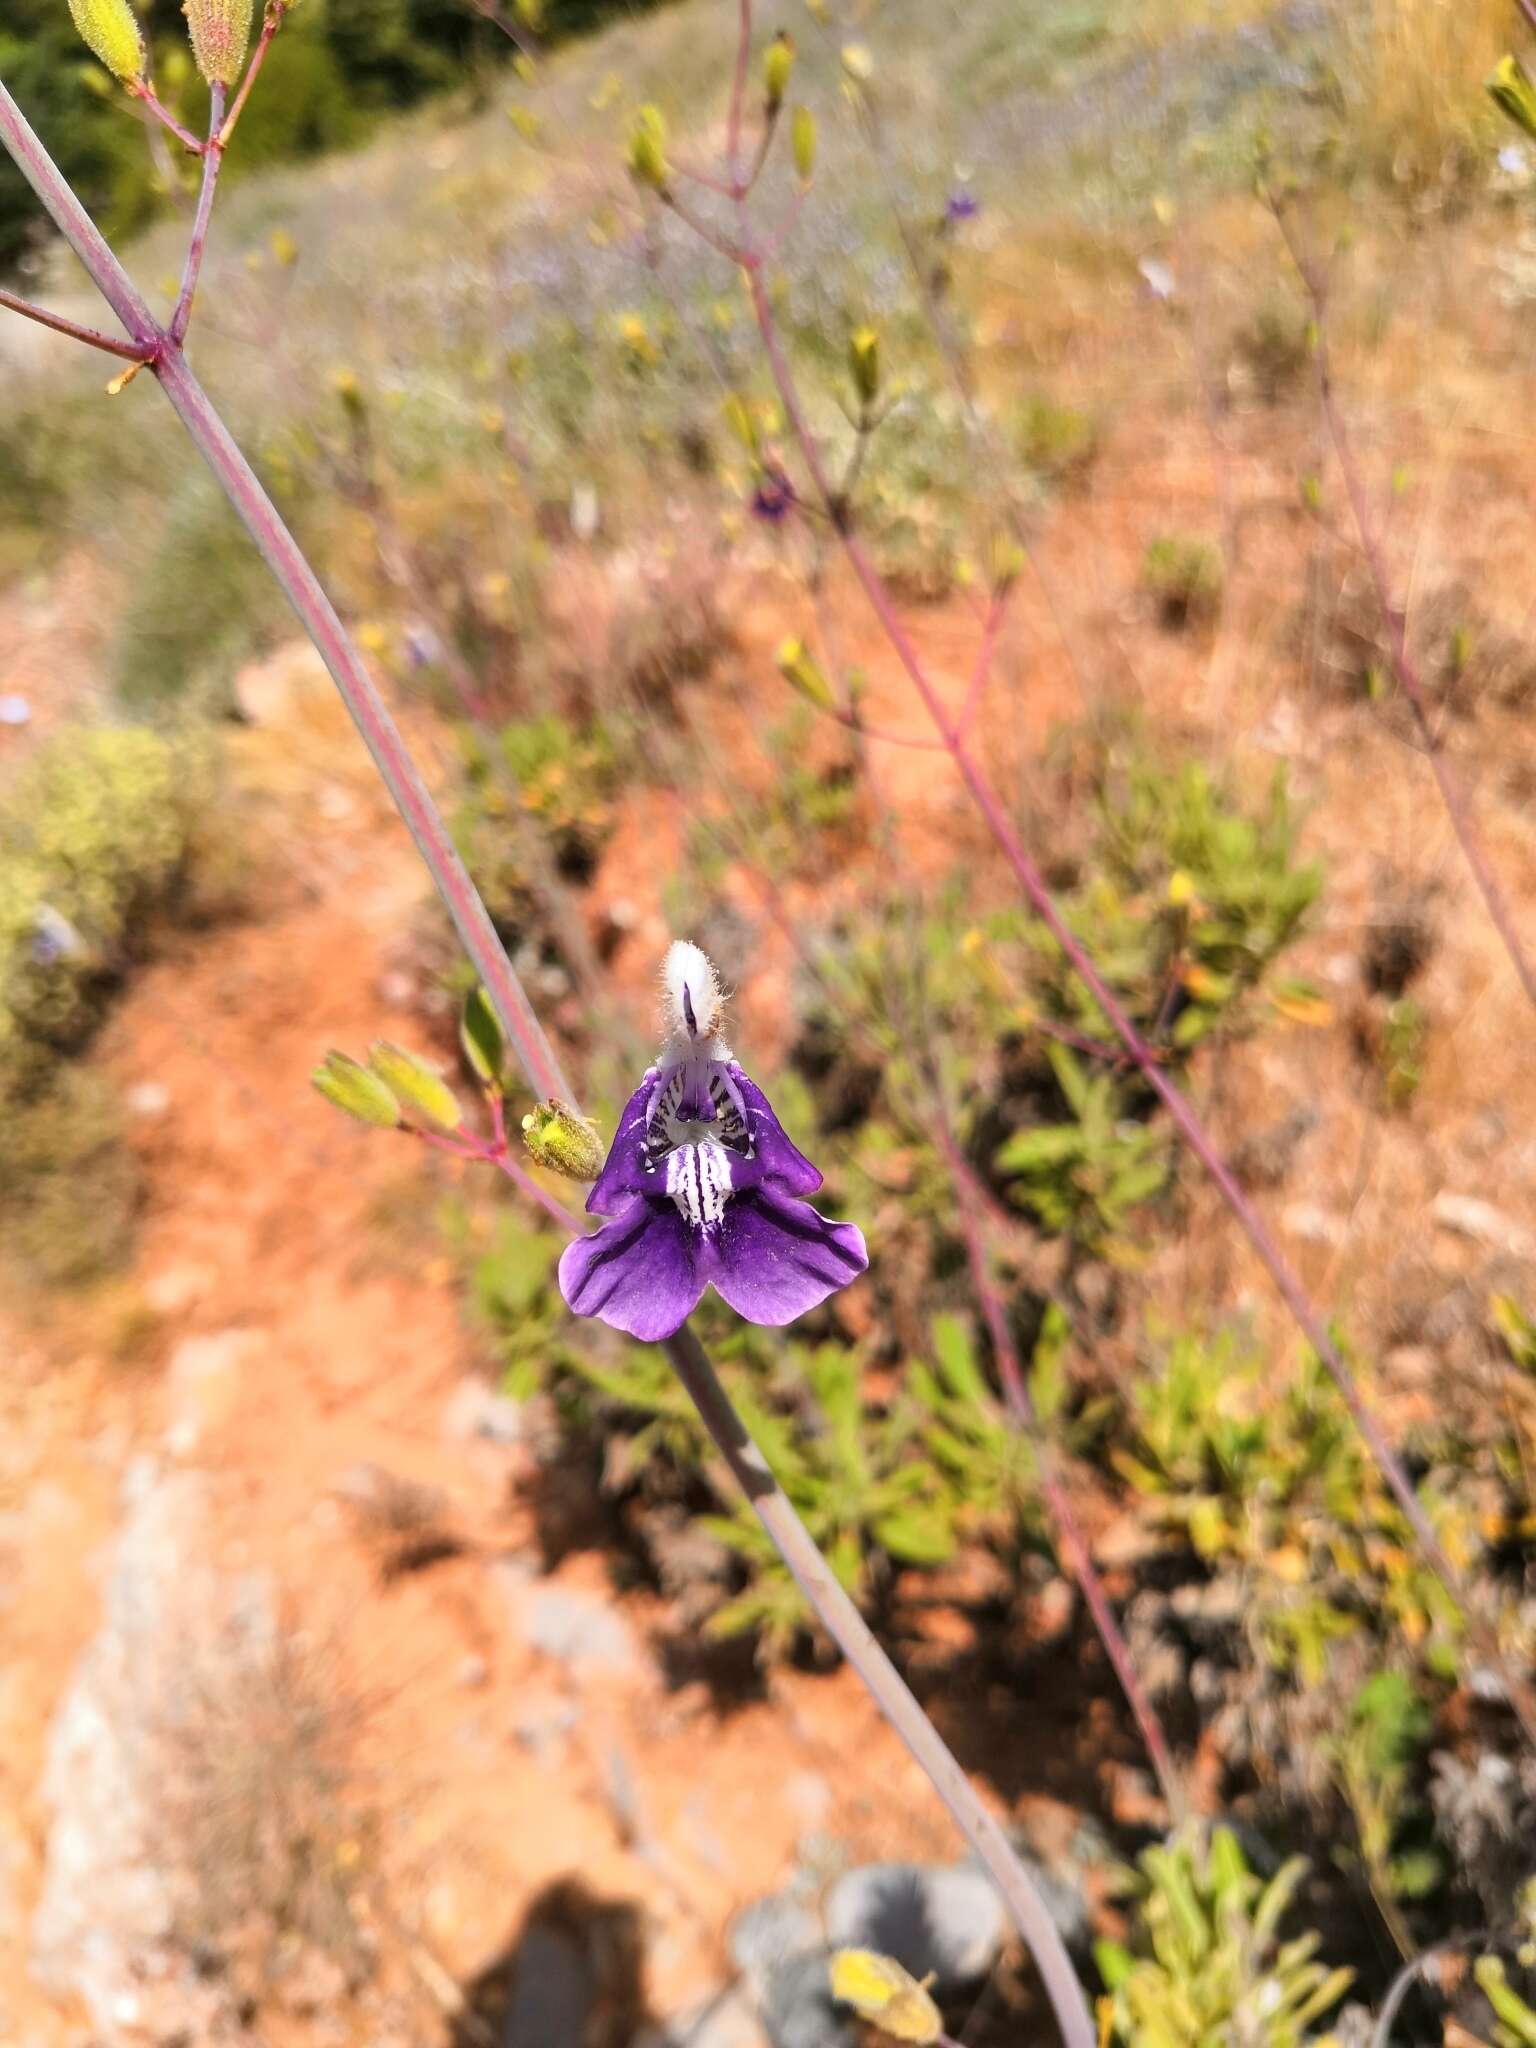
pixel 143 90
pixel 805 1563
pixel 1070 1541
pixel 271 22
pixel 1458 809
pixel 738 93
pixel 1189 1126
pixel 213 157
pixel 72 328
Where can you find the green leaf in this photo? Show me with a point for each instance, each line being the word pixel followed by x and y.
pixel 350 1088
pixel 1048 1370
pixel 1115 1963
pixel 480 1033
pixel 416 1085
pixel 1031 1152
pixel 917 1535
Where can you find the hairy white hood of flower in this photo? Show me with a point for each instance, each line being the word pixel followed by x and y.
pixel 692 1007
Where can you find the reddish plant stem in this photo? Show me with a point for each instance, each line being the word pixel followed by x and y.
pixel 1404 668
pixel 1070 1541
pixel 271 22
pixel 213 157
pixel 144 91
pixel 1188 1124
pixel 91 335
pixel 1528 9
pixel 788 1533
pixel 985 656
pixel 738 94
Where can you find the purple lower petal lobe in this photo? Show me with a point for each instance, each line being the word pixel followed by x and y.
pixel 624 1175
pixel 642 1273
pixel 772 1259
pixel 778 1162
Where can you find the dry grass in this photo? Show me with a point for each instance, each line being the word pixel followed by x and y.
pixel 1415 79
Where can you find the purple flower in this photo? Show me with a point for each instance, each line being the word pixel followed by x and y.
pixel 774 497
pixel 703 1189
pixel 961 205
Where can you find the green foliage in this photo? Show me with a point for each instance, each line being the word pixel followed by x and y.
pixel 1083 1178
pixel 1272 1478
pixel 1189 900
pixel 68 1185
pixel 557 776
pixel 202 604
pixel 1185 576
pixel 1057 443
pixel 859 1478
pixel 1515 2020
pixel 1402 1051
pixel 1377 1758
pixel 885 1480
pixel 95 838
pixel 1208 1967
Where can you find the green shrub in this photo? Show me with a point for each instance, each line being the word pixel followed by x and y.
pixel 96 839
pixel 1057 443
pixel 1207 1967
pixel 1185 577
pixel 68 1184
pixel 203 603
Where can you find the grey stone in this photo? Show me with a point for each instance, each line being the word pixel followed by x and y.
pixel 798 2007
pixel 767 1934
pixel 476 1409
pixel 582 1630
pixel 552 1995
pixel 726 2019
pixel 950 1922
pixel 104 1923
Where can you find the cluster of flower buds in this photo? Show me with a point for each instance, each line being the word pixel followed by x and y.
pixel 220 32
pixel 648 149
pixel 777 66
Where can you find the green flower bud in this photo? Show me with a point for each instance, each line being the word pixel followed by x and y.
pixel 417 1087
pixel 563 1141
pixel 802 674
pixel 1005 562
pixel 1510 88
pixel 480 1032
pixel 777 65
pixel 110 30
pixel 864 363
pixel 220 31
pixel 648 149
pixel 738 417
pixel 357 1093
pixel 802 141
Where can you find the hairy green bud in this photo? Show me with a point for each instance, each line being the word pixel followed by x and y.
pixel 777 65
pixel 417 1087
pixel 648 149
pixel 110 30
pixel 803 674
pixel 355 1092
pixel 1509 86
pixel 864 363
pixel 563 1141
pixel 802 142
pixel 220 31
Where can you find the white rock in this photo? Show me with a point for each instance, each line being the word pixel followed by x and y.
pixel 1469 1217
pixel 203 1385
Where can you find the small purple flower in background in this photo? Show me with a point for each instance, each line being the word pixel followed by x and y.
pixel 704 1189
pixel 961 205
pixel 774 497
